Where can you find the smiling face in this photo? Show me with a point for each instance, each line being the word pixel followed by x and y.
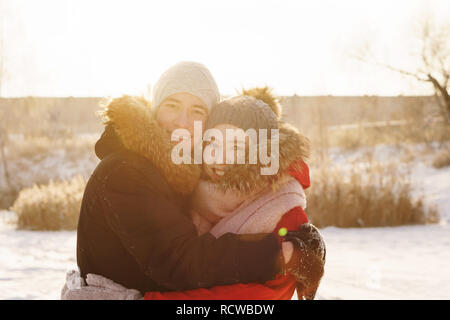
pixel 230 146
pixel 180 110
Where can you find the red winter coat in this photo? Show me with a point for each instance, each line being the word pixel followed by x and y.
pixel 281 288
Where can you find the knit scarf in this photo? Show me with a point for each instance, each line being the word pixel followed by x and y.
pixel 257 212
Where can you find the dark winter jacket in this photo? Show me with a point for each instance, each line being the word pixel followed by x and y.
pixel 133 226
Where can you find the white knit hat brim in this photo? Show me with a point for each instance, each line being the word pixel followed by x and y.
pixel 190 77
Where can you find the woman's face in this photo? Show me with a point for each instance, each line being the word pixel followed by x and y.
pixel 230 147
pixel 180 110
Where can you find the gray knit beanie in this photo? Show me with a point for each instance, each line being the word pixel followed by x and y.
pixel 244 112
pixel 190 77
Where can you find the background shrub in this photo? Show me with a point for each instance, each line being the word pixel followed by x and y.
pixel 378 196
pixel 442 159
pixel 55 206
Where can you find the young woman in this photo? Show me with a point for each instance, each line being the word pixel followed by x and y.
pixel 237 198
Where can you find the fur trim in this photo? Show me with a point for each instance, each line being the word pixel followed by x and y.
pixel 247 178
pixel 265 94
pixel 139 132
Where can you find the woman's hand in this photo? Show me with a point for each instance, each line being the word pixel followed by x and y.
pixel 288 249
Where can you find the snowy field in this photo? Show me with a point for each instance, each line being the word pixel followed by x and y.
pixel 408 262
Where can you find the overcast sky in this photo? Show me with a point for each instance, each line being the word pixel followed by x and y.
pixel 100 48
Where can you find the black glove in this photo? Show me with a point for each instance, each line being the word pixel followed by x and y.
pixel 308 238
pixel 308 259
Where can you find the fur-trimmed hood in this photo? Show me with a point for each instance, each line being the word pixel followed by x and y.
pixel 247 178
pixel 138 131
pixel 293 146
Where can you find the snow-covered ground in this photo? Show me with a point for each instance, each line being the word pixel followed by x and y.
pixel 32 263
pixel 408 262
pixel 411 262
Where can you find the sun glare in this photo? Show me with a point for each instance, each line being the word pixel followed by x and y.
pixel 97 48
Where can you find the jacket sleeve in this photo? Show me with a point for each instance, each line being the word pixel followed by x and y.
pixel 164 242
pixel 281 288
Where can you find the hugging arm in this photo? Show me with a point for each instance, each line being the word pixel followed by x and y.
pixel 163 240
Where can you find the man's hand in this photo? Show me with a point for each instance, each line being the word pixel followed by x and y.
pixel 308 259
pixel 308 238
pixel 304 293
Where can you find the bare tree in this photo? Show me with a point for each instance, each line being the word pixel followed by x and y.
pixel 433 57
